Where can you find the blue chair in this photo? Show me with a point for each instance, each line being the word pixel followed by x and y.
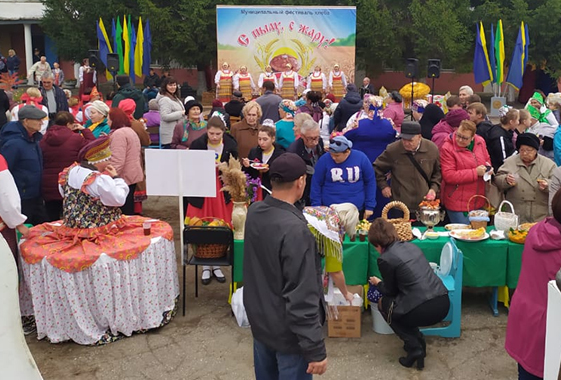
pixel 453 282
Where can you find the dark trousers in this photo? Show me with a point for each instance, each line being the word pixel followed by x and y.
pixel 407 326
pixel 54 210
pixel 34 209
pixel 273 365
pixel 128 207
pixel 525 375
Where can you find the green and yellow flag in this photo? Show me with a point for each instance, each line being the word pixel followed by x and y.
pixel 500 53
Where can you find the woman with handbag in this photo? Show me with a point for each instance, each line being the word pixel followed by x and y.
pixel 525 177
pixel 412 294
pixel 464 160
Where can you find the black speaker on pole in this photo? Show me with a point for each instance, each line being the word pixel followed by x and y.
pixel 412 68
pixel 94 59
pixel 433 69
pixel 113 62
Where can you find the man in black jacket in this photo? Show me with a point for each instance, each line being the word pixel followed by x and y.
pixel 349 105
pixel 310 148
pixel 54 97
pixel 478 114
pixel 283 293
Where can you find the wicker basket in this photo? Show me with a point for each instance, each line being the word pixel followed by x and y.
pixel 209 251
pixel 403 225
pixel 475 224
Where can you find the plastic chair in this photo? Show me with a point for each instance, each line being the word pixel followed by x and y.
pixel 194 235
pixel 453 283
pixel 155 144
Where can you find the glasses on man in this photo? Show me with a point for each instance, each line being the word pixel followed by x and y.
pixel 313 139
pixel 526 151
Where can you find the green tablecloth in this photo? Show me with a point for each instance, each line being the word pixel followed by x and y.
pixel 485 262
pixel 514 263
pixel 355 261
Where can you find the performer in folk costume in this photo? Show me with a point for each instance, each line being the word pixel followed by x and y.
pixel 87 76
pixel 317 81
pixel 244 82
pixel 337 83
pixel 267 76
pixel 289 83
pixel 223 80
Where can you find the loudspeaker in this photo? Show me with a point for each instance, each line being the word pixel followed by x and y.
pixel 94 58
pixel 412 68
pixel 112 62
pixel 433 70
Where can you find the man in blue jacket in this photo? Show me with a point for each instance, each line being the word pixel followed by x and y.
pixel 344 175
pixel 19 144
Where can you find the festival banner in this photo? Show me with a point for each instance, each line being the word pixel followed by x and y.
pixel 257 36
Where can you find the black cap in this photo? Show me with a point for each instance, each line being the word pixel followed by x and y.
pixel 287 167
pixel 528 139
pixel 237 94
pixel 410 129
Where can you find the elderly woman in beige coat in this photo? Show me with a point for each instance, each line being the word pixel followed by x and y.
pixel 525 179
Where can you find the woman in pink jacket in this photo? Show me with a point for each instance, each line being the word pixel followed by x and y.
pixel 125 154
pixel 464 160
pixel 525 329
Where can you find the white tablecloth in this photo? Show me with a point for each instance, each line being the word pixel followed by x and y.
pixel 115 295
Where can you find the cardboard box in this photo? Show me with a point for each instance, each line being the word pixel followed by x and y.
pixel 347 324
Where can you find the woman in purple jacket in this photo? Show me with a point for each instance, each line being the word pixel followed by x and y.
pixel 541 259
pixel 60 146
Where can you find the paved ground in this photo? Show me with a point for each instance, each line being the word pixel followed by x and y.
pixel 208 344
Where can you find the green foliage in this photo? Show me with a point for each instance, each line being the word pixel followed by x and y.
pixel 388 31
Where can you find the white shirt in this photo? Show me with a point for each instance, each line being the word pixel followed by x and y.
pixel 219 73
pixel 81 74
pixel 236 81
pixel 323 80
pixel 10 202
pixel 111 192
pixel 262 77
pixel 293 75
pixel 343 79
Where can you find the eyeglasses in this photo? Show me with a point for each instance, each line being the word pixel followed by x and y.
pixel 311 138
pixel 463 137
pixel 526 151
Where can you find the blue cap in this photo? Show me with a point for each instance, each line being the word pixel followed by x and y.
pixel 339 144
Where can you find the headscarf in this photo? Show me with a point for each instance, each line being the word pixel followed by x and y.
pixel 537 113
pixel 128 106
pixel 288 106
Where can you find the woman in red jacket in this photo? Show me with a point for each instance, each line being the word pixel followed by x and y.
pixel 60 146
pixel 464 160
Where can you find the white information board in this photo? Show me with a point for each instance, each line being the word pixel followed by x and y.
pixel 176 172
pixel 552 360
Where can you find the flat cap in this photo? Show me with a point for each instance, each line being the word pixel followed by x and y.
pixel 31 112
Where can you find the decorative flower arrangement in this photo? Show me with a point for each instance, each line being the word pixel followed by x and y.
pixel 240 186
pixel 7 81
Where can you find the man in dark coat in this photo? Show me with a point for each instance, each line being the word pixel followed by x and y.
pixel 19 144
pixel 366 88
pixel 235 105
pixel 54 97
pixel 128 91
pixel 310 148
pixel 349 105
pixel 283 293
pixel 269 102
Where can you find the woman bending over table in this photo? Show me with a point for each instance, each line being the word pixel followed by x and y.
pixel 328 225
pixel 525 330
pixel 412 294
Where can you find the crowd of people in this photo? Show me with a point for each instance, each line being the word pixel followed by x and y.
pixel 348 145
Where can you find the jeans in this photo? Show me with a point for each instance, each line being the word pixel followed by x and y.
pixel 525 375
pixel 457 217
pixel 273 365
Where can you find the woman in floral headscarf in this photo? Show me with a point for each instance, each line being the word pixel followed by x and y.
pixel 285 126
pixel 328 225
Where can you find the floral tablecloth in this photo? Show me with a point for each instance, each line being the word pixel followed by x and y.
pixel 119 296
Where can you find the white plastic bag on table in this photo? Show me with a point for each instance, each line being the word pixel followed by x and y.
pixel 238 308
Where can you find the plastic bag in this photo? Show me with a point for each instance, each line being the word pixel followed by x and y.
pixel 238 308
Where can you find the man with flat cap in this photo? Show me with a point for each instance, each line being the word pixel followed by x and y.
pixel 283 293
pixel 414 165
pixel 19 144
